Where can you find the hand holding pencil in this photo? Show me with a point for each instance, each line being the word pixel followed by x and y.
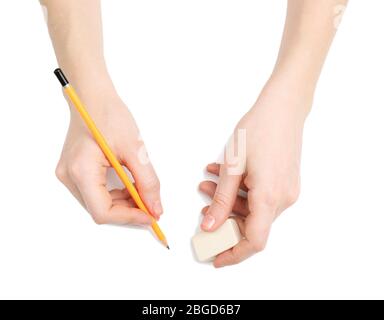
pixel 87 154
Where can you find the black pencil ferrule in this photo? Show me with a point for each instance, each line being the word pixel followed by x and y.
pixel 61 77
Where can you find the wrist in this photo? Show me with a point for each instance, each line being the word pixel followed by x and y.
pixel 96 91
pixel 100 105
pixel 93 85
pixel 295 83
pixel 284 97
pixel 87 77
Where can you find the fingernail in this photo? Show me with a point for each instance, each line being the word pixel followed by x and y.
pixel 157 208
pixel 208 222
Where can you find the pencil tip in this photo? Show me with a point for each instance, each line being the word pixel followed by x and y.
pixel 168 247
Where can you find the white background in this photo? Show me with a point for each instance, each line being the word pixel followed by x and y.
pixel 189 70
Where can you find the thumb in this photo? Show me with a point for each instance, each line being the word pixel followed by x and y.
pixel 147 184
pixel 222 201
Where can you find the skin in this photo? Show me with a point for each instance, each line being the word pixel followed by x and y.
pixel 76 32
pixel 274 129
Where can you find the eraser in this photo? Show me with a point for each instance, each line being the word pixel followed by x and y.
pixel 207 245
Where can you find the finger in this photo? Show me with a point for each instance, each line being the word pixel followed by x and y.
pixel 205 210
pixel 123 198
pixel 256 231
pixel 91 183
pixel 147 184
pixel 237 254
pixel 240 206
pixel 122 202
pixel 222 201
pixel 208 187
pixel 120 194
pixel 125 202
pixel 259 222
pixel 241 223
pixel 122 215
pixel 234 255
pixel 214 168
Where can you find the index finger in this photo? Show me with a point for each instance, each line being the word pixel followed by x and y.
pixel 255 228
pixel 243 250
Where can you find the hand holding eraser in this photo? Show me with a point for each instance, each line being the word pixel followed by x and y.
pixel 207 245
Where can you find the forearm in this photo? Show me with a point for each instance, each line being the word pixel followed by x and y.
pixel 75 28
pixel 309 31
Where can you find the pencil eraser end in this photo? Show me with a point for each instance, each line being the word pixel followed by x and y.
pixel 207 245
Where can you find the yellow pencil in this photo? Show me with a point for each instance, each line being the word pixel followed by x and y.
pixel 74 98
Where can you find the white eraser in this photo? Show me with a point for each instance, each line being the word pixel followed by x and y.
pixel 209 244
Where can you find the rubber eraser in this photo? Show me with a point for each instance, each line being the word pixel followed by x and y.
pixel 207 245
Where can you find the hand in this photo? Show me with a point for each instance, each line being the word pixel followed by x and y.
pixel 270 175
pixel 83 167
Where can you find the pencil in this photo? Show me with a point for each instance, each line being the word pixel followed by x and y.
pixel 74 98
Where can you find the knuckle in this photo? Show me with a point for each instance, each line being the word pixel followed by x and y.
pixel 99 219
pixel 61 173
pixel 130 155
pixel 76 169
pixel 236 260
pixel 258 246
pixel 292 195
pixel 152 184
pixel 221 199
pixel 269 198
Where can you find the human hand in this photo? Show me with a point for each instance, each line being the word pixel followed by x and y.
pixel 78 43
pixel 83 167
pixel 270 173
